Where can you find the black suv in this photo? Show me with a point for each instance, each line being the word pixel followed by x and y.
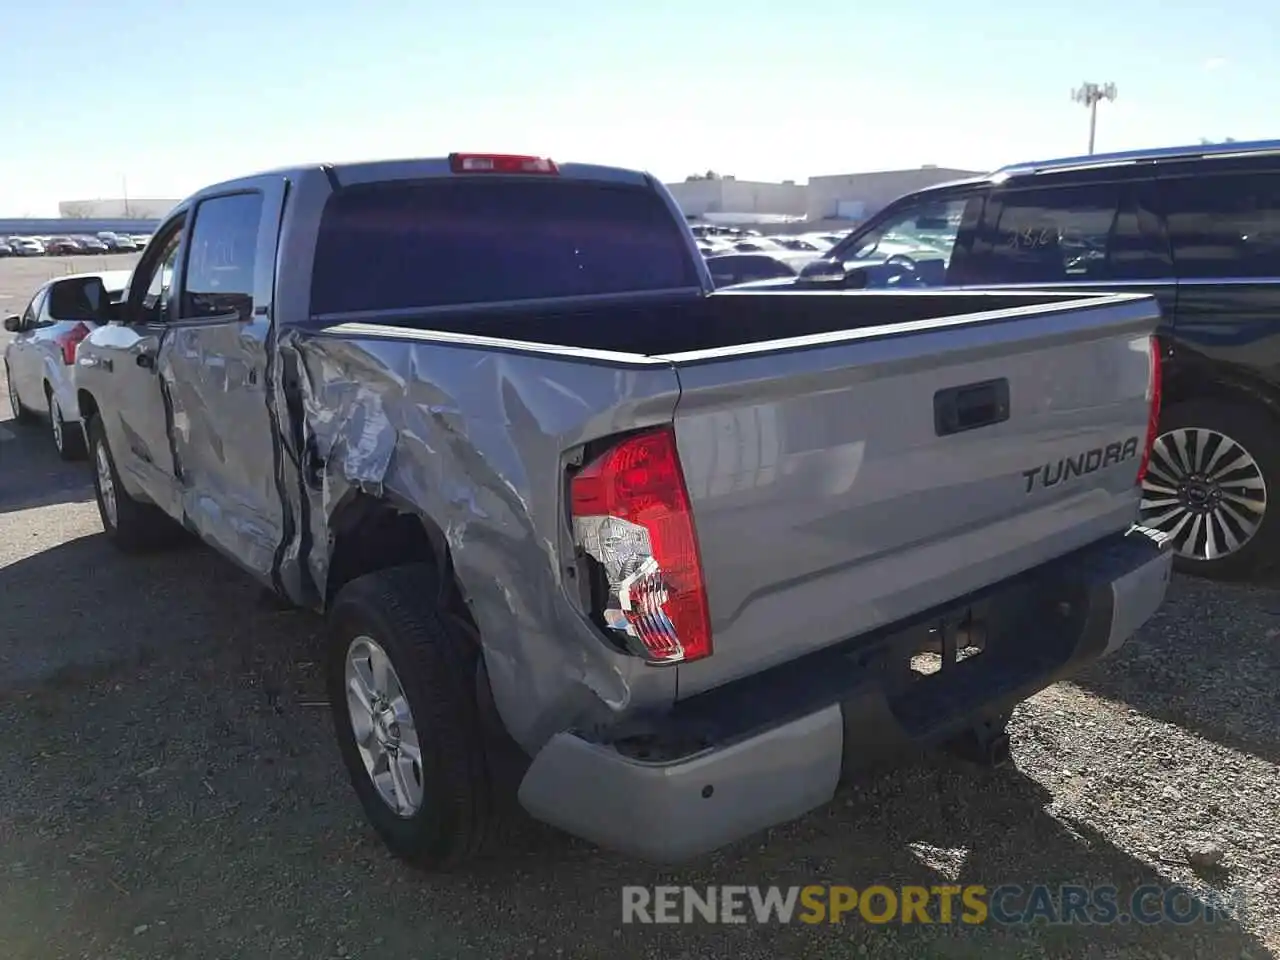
pixel 1198 227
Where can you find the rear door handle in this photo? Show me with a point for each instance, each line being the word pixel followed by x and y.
pixel 971 406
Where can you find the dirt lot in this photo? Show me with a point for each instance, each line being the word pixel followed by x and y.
pixel 169 786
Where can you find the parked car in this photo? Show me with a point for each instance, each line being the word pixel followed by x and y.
pixel 5 249
pixel 140 240
pixel 40 359
pixel 61 246
pixel 26 247
pixel 732 268
pixel 1197 227
pixel 117 242
pixel 653 560
pixel 91 244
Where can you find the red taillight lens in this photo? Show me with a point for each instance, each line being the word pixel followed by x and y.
pixel 631 514
pixel 68 341
pixel 499 163
pixel 1154 389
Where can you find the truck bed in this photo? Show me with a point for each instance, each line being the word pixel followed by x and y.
pixel 667 325
pixel 853 458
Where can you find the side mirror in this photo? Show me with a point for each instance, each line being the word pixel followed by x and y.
pixel 79 298
pixel 13 324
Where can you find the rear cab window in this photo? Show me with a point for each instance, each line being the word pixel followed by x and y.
pixel 457 241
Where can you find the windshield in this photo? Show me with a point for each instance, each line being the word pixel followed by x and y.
pixel 924 230
pixel 456 241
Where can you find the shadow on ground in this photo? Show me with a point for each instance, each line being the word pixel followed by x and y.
pixel 1209 662
pixel 169 787
pixel 31 473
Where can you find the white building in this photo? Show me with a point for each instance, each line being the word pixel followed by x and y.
pixel 856 196
pixel 128 208
pixel 847 198
pixel 728 195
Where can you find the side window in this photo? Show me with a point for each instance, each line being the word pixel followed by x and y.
pixel 1049 235
pixel 1224 226
pixel 148 295
pixel 30 316
pixel 219 278
pixel 924 233
pixel 161 282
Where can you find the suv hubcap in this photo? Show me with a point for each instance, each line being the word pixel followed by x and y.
pixel 1205 491
pixel 382 722
pixel 55 418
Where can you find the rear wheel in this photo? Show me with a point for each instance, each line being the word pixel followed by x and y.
pixel 1215 467
pixel 68 438
pixel 130 524
pixel 402 688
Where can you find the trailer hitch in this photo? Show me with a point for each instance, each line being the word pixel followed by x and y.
pixel 986 743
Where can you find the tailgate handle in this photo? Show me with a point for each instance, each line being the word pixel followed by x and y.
pixel 973 405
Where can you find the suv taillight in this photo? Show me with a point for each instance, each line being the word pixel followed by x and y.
pixel 631 514
pixel 68 341
pixel 1154 389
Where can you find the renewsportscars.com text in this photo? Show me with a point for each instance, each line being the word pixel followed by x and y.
pixel 974 904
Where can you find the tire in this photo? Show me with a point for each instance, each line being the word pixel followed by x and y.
pixel 68 438
pixel 458 811
pixel 1216 467
pixel 131 525
pixel 20 413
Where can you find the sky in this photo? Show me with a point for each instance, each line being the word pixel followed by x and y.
pixel 157 98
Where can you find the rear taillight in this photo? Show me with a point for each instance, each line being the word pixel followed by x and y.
pixel 499 163
pixel 1154 388
pixel 631 515
pixel 69 340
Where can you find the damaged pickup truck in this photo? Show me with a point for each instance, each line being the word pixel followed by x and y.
pixel 661 564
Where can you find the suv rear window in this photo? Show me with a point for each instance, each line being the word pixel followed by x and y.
pixel 448 242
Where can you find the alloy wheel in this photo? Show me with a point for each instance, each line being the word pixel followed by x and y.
pixel 1205 491
pixel 385 733
pixel 55 419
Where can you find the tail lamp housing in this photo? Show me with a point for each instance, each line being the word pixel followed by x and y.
pixel 631 515
pixel 1154 391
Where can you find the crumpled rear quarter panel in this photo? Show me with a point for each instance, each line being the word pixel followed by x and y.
pixel 472 438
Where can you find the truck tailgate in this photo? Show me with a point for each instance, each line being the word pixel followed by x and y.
pixel 843 482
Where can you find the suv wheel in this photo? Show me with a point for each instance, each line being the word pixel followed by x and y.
pixel 68 438
pixel 1211 486
pixel 20 413
pixel 402 689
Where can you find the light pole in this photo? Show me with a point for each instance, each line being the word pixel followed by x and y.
pixel 1090 94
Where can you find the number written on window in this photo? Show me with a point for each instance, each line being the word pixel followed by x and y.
pixel 224 249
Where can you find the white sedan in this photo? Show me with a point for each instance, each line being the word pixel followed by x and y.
pixel 40 364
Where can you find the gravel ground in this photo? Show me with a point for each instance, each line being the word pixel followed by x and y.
pixel 170 788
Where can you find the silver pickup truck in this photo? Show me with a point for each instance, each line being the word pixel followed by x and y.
pixel 659 563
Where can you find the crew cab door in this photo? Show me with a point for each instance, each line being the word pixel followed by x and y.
pixel 213 363
pixel 116 371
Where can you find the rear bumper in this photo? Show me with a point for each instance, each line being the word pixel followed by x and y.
pixel 769 748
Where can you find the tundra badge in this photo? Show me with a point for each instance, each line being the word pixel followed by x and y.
pixel 1052 474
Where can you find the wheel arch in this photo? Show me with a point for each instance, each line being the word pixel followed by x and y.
pixel 369 533
pixel 1199 379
